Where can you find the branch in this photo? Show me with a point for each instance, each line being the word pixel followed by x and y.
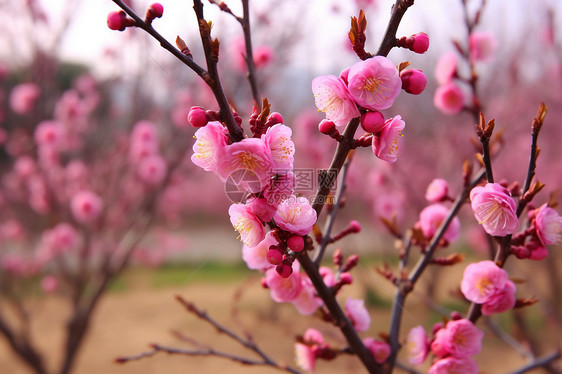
pixel 23 348
pixel 389 41
pixel 327 237
pixel 540 362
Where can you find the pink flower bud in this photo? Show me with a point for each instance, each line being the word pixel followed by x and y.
pixel 421 42
pixel 354 227
pixel 437 190
pixel 274 256
pixel 284 270
pixel 295 243
pixel 346 278
pixel 413 81
pixel 327 127
pixel 156 10
pixel 273 119
pixel 116 20
pixel 197 117
pixel 372 122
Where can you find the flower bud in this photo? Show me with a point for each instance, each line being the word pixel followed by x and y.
pixel 295 243
pixel 155 10
pixel 413 81
pixel 284 270
pixel 116 20
pixel 421 42
pixel 274 256
pixel 372 122
pixel 197 117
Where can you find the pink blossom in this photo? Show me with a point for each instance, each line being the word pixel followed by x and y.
pixel 459 338
pixel 332 97
pixel 247 224
pixel 211 139
pixel 358 314
pixel 62 238
pixel 295 215
pixel 538 254
pixel 307 302
pixel 305 357
pixel 49 283
pixel 262 209
pixel 263 55
pixel 283 289
pixel 374 83
pixel 255 257
pixel 500 301
pixel 417 345
pixel 482 280
pixel 450 365
pixel 152 170
pixel 431 218
pixel 449 98
pixel 49 134
pixel 548 224
pixel 437 190
pixel 144 132
pixel 282 149
pixel 280 188
pixel 386 142
pixel 327 276
pixel 86 206
pixel 494 208
pixel 23 97
pixel 446 68
pixel 25 166
pixel 379 349
pixel 249 156
pixel 482 45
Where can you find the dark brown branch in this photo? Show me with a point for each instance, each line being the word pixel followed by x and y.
pixel 540 362
pixel 23 348
pixel 389 41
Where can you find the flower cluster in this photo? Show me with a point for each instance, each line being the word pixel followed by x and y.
pixel 260 169
pixel 487 284
pixel 452 344
pixel 362 90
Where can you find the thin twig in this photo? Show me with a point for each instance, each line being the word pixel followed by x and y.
pixel 540 362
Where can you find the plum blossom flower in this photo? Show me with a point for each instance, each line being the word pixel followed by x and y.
pixel 305 352
pixel 379 349
pixel 501 301
pixel 446 68
pixel 247 224
pixel 332 97
pixel 278 141
pixel 284 289
pixel 86 206
pixel 437 190
pixel 431 218
pixel 152 170
pixel 459 338
pixel 494 208
pixel 374 83
pixel 62 238
pixel 417 346
pixel 548 225
pixel 250 156
pixel 449 365
pixel 210 140
pixel 295 215
pixel 255 257
pixel 263 55
pixel 358 314
pixel 482 45
pixel 386 143
pixel 482 280
pixel 307 301
pixel 449 98
pixel 23 97
pixel 49 134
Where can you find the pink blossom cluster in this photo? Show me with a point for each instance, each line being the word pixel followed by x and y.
pixel 361 91
pixel 261 169
pixel 452 345
pixel 449 97
pixel 487 284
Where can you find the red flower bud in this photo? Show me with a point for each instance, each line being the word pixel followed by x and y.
pixel 197 117
pixel 421 42
pixel 116 20
pixel 413 81
pixel 295 243
pixel 372 122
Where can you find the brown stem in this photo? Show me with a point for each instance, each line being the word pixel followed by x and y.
pixel 389 41
pixel 23 348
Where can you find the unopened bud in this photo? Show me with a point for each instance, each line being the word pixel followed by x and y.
pixel 372 122
pixel 284 270
pixel 116 20
pixel 154 10
pixel 197 117
pixel 274 256
pixel 351 262
pixel 413 81
pixel 295 243
pixel 421 42
pixel 329 128
pixel 337 257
